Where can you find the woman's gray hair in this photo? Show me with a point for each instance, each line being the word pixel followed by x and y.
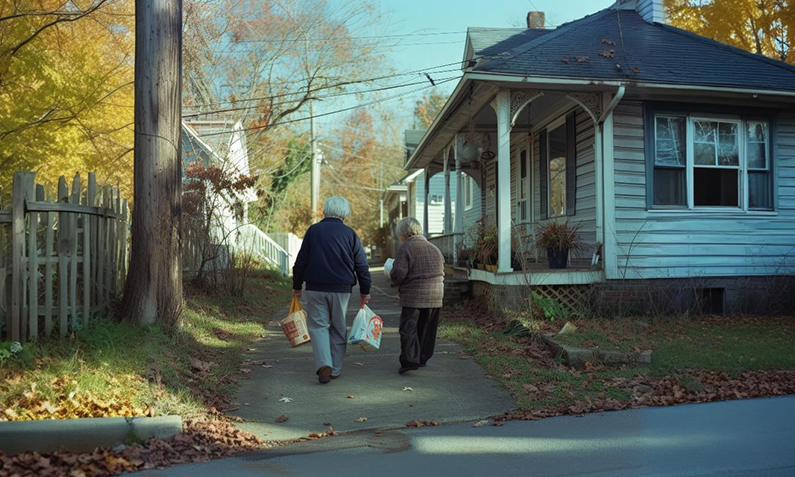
pixel 409 227
pixel 336 207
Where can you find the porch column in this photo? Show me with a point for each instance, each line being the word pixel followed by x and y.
pixel 458 223
pixel 448 206
pixel 503 107
pixel 427 178
pixel 459 187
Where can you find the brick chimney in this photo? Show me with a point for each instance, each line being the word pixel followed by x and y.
pixel 535 20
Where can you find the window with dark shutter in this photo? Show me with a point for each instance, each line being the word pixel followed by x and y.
pixel 571 163
pixel 543 172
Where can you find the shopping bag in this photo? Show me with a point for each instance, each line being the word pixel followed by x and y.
pixel 366 330
pixel 390 262
pixel 294 326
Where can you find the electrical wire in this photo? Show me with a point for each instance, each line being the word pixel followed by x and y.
pixel 419 72
pixel 306 118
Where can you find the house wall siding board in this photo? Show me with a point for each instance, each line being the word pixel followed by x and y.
pixel 662 244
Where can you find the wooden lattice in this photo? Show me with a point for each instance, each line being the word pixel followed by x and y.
pixel 573 297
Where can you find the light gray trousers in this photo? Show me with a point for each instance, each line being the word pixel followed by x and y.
pixel 327 327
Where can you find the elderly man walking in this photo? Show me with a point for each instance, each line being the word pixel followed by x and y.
pixel 330 261
pixel 418 271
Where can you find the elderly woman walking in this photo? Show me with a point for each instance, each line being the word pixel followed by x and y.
pixel 330 261
pixel 418 271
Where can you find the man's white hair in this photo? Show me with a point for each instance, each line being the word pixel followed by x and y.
pixel 409 227
pixel 336 207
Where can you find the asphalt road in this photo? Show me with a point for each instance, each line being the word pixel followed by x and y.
pixel 736 439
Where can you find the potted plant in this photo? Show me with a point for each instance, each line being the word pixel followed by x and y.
pixel 559 239
pixel 466 258
pixel 488 248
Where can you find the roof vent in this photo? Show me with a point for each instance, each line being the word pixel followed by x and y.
pixel 536 20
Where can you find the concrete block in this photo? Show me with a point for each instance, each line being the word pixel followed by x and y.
pixel 82 435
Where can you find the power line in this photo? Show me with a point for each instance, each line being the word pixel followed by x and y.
pixel 364 37
pixel 321 88
pixel 306 118
pixel 333 95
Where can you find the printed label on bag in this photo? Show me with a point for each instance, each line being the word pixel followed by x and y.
pixel 290 330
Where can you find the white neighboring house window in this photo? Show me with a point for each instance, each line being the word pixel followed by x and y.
pixel 469 192
pixel 437 199
pixel 705 162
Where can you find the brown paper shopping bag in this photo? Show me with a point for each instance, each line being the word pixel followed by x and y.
pixel 294 326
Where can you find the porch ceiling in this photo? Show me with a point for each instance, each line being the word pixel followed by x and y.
pixel 462 106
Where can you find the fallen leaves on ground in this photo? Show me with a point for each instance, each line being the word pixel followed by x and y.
pixel 481 423
pixel 282 418
pixel 430 423
pixel 286 400
pixel 201 440
pixel 361 419
pixel 329 433
pixel 406 388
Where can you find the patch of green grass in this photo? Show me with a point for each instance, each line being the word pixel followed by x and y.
pixel 113 368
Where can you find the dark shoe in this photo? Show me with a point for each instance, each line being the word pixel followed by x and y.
pixel 324 374
pixel 406 369
pixel 422 365
pixel 335 377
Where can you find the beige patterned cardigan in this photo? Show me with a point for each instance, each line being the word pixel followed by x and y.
pixel 418 271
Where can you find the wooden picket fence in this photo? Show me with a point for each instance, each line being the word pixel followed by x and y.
pixel 63 255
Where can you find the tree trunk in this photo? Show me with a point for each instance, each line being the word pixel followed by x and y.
pixel 154 284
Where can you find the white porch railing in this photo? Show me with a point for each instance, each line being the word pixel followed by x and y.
pixel 251 239
pixel 447 244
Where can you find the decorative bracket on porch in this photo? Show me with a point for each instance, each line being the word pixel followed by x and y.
pixel 592 103
pixel 520 99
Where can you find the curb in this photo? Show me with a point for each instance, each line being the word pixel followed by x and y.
pixel 83 435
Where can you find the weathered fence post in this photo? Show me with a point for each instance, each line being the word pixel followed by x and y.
pixel 88 248
pixel 48 251
pixel 23 185
pixel 63 270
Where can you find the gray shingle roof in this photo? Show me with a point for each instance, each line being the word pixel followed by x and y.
pixel 492 41
pixel 651 52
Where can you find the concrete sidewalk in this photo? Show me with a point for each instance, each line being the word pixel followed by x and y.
pixel 452 388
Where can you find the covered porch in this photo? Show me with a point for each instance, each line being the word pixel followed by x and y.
pixel 538 152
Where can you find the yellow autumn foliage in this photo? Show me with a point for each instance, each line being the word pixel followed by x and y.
pixel 66 95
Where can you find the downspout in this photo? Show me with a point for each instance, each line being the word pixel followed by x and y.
pixel 601 150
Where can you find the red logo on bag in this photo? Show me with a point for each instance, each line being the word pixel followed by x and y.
pixel 290 330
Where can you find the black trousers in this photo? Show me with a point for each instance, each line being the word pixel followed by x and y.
pixel 417 335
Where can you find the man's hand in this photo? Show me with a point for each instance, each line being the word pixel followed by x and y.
pixel 365 299
pixel 297 293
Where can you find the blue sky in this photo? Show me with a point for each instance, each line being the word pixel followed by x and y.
pixel 438 31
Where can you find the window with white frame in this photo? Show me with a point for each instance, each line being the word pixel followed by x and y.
pixel 469 192
pixel 711 162
pixel 437 199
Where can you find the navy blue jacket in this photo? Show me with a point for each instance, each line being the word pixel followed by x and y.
pixel 329 257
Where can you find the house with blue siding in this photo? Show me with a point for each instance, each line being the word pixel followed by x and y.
pixel 673 153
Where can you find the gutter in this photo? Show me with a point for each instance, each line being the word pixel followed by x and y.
pixel 642 84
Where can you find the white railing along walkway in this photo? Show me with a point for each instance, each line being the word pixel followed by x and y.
pixel 251 239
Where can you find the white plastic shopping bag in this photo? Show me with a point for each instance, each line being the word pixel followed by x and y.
pixel 366 330
pixel 390 262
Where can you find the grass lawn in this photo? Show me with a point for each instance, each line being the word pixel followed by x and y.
pixel 115 369
pixel 696 360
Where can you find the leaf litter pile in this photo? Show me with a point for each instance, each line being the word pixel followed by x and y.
pixel 745 358
pixel 117 370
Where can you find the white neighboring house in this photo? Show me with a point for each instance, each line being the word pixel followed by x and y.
pixel 223 144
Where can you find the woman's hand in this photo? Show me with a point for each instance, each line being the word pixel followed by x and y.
pixel 297 293
pixel 365 299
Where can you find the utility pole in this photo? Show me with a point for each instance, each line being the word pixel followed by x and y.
pixel 315 170
pixel 381 187
pixel 153 291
